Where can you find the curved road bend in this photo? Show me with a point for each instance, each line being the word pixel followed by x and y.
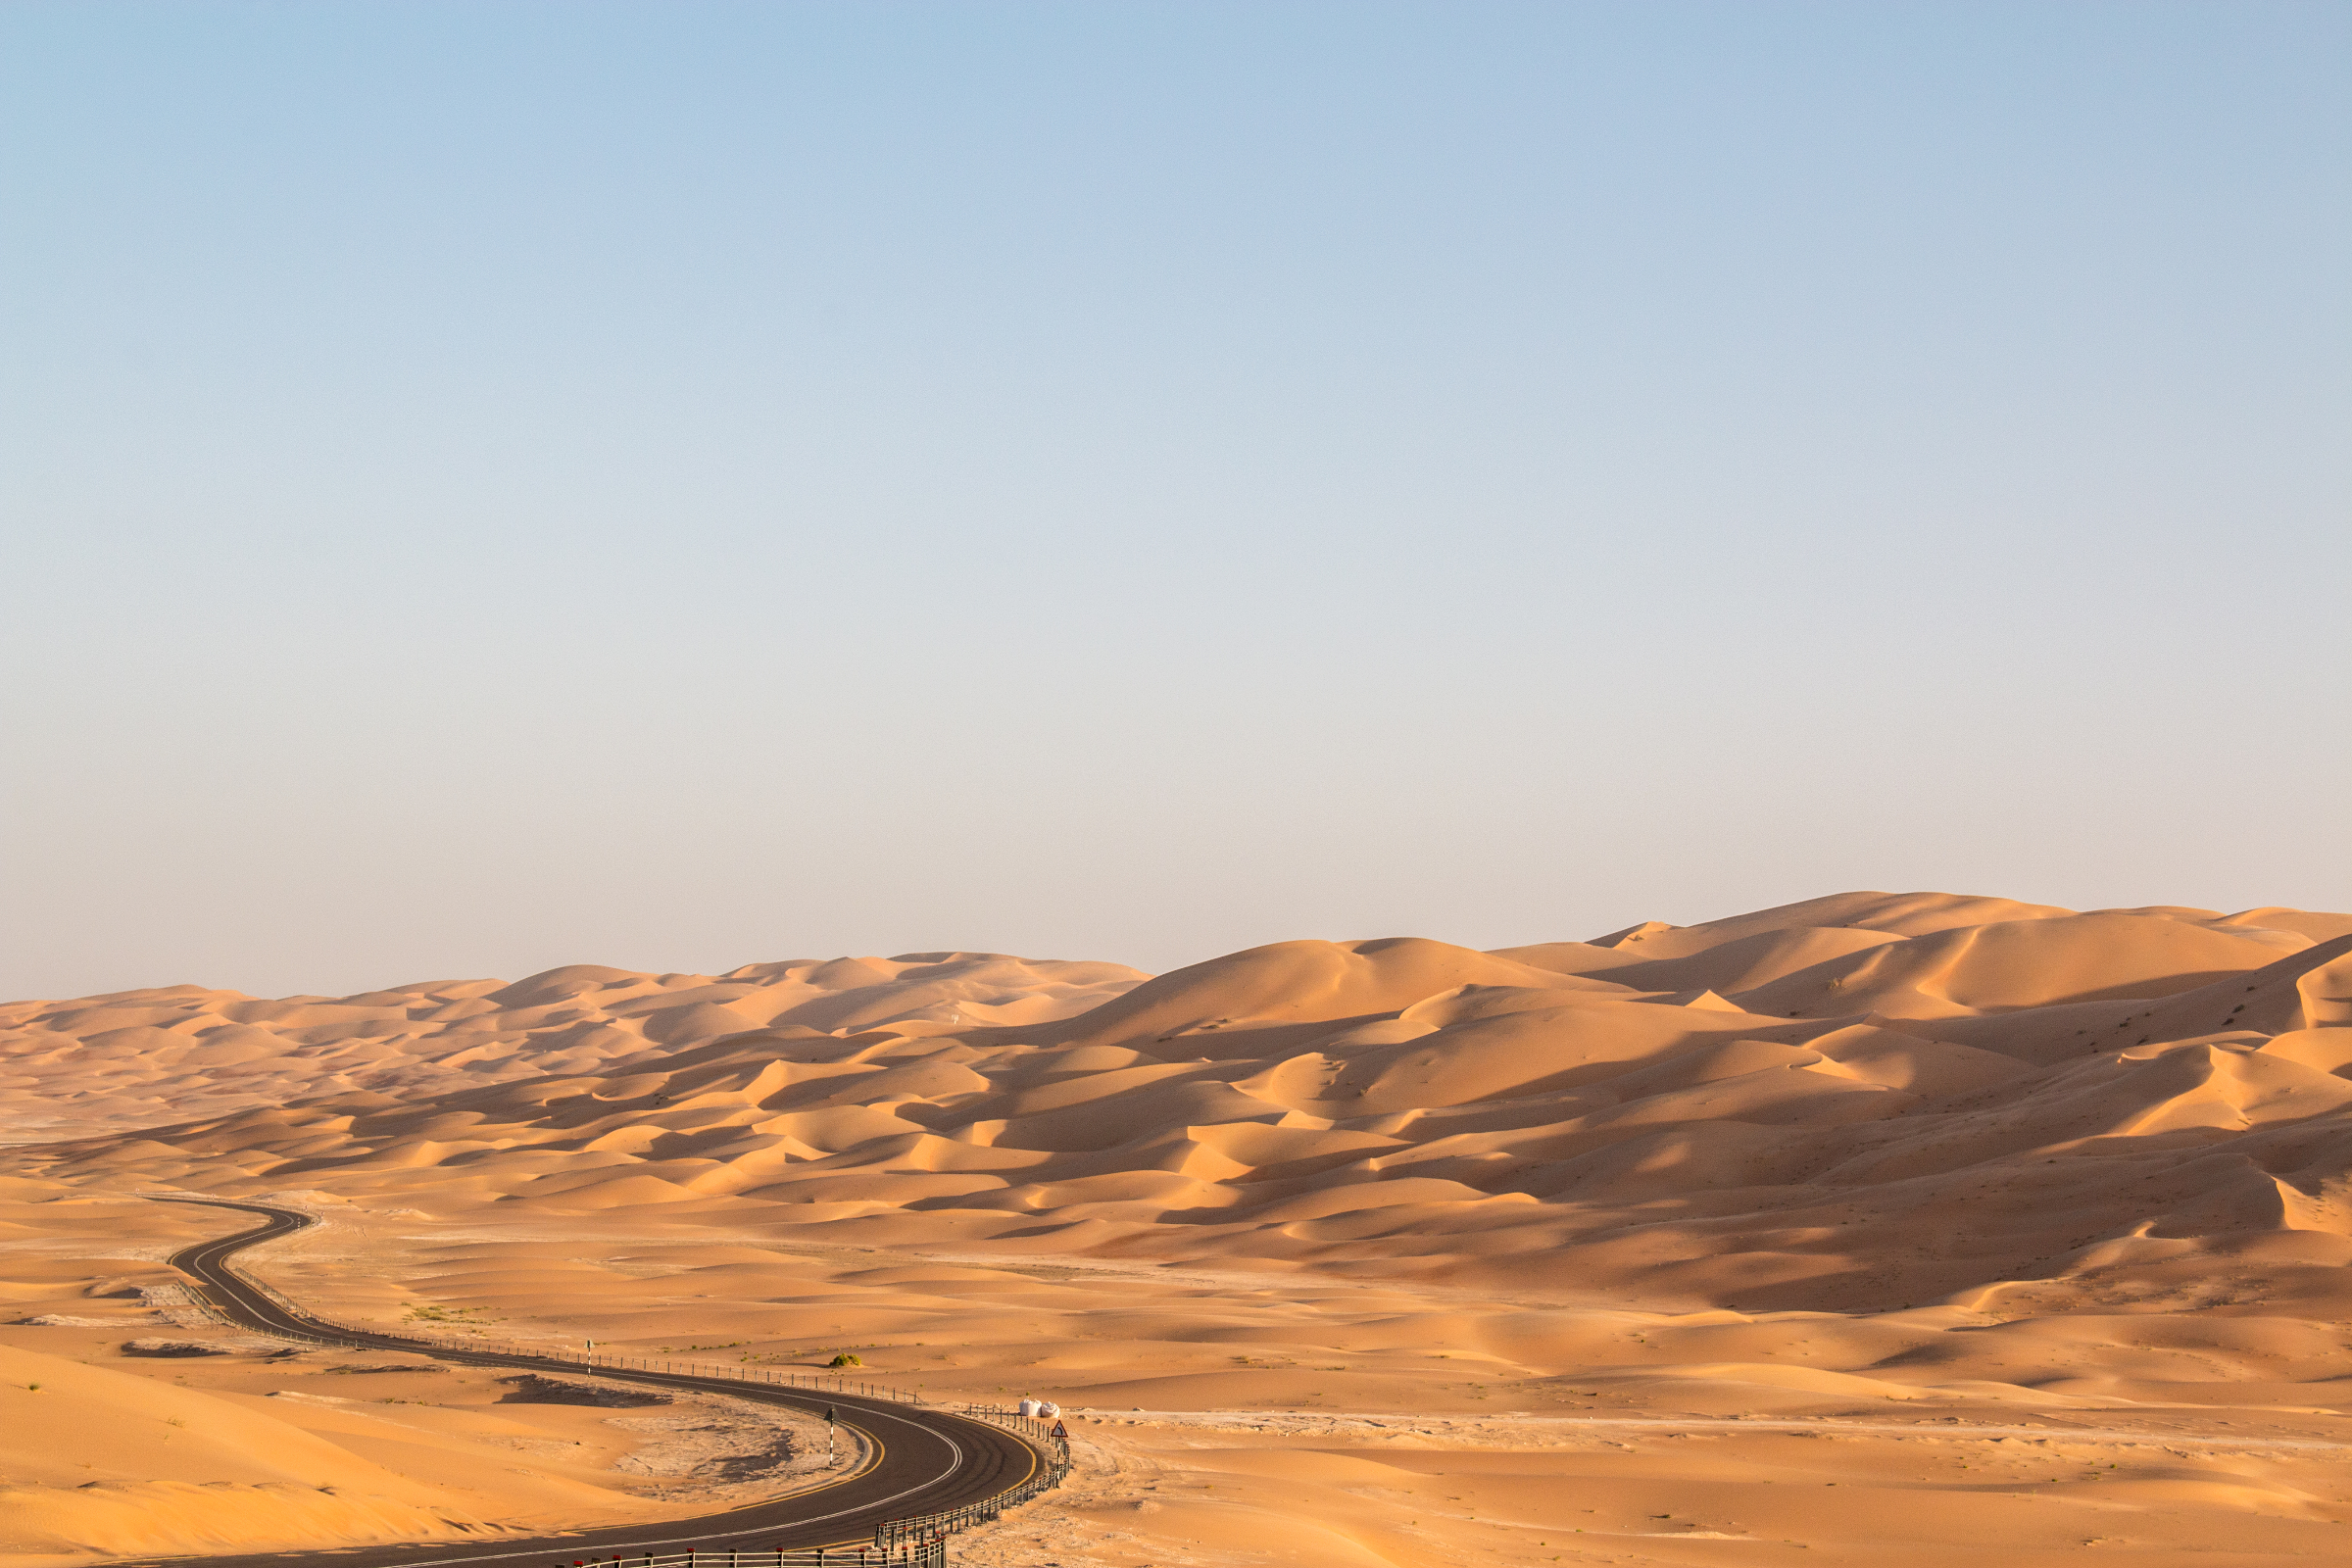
pixel 922 1460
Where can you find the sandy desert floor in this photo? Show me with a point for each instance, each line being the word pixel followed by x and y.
pixel 1877 1228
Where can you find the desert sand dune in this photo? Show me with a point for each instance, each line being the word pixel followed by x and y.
pixel 138 1057
pixel 1831 1117
pixel 1862 1148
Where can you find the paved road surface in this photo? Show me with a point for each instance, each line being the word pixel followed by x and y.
pixel 922 1460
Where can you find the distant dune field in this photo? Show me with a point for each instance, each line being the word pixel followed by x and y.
pixel 1871 1152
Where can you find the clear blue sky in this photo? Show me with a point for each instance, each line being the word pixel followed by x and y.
pixel 489 486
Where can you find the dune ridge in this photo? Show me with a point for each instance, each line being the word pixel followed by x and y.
pixel 135 1059
pixel 1855 1103
pixel 2022 1227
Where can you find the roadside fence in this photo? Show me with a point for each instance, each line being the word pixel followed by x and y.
pixel 920 1541
pixel 929 1554
pixel 587 1360
pixel 1054 1466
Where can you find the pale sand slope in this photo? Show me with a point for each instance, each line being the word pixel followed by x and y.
pixel 1933 1153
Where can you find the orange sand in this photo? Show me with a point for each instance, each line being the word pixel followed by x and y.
pixel 1371 1232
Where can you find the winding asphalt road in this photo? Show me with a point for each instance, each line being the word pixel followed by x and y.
pixel 920 1460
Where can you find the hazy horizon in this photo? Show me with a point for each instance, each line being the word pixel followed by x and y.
pixel 492 488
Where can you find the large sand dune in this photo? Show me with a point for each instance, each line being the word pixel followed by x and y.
pixel 139 1058
pixel 1854 1102
pixel 1863 1148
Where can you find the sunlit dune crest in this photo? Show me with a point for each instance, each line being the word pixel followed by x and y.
pixel 1856 1102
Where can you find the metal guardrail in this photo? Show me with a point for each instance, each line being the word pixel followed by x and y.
pixel 1038 1431
pixel 592 1360
pixel 933 1529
